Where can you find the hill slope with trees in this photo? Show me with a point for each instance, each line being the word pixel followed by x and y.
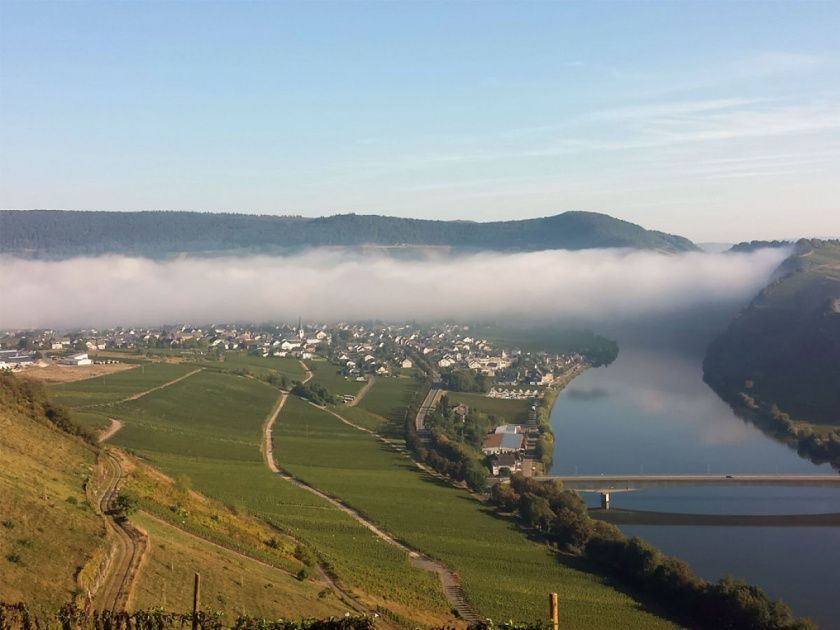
pixel 779 360
pixel 63 234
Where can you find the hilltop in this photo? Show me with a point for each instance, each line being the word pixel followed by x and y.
pixel 63 234
pixel 780 358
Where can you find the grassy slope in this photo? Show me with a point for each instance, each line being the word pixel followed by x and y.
pixel 515 411
pixel 113 387
pixel 45 518
pixel 505 574
pixel 326 374
pixel 229 582
pixel 208 427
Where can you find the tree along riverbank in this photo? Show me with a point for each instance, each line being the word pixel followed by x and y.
pixel 818 443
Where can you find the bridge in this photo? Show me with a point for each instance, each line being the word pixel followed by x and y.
pixel 608 484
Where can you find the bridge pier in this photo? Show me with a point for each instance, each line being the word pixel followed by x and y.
pixel 605 500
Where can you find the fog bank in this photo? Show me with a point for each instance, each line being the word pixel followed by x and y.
pixel 328 285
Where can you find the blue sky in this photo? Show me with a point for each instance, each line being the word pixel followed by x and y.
pixel 719 121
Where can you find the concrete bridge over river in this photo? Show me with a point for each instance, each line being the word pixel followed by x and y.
pixel 608 484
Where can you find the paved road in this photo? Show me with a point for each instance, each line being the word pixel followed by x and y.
pixel 452 588
pixel 427 405
pixel 129 545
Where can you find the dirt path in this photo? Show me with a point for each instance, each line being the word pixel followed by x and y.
pixel 309 374
pixel 450 581
pixel 267 451
pixel 154 389
pixel 362 392
pixel 129 545
pixel 115 426
pixel 141 394
pixel 266 447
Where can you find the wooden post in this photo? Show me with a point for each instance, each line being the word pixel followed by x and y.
pixel 553 611
pixel 196 600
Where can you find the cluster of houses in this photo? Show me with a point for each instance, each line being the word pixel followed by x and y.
pixel 356 349
pixel 506 448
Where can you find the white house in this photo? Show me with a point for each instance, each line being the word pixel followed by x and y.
pixel 406 364
pixel 77 359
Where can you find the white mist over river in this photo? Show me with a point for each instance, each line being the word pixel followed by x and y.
pixel 328 284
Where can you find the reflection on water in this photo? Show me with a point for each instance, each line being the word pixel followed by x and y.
pixel 650 412
pixel 796 564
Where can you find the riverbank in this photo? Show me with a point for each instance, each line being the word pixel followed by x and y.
pixel 544 455
pixel 819 444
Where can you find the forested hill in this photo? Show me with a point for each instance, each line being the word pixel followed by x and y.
pixel 781 355
pixel 62 234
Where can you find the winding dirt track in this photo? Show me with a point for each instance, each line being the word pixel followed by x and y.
pixel 115 426
pixel 308 372
pixel 450 581
pixel 129 546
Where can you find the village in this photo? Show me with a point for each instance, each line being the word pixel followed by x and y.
pixel 452 354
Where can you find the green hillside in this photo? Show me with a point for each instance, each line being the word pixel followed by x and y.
pixel 780 358
pixel 62 234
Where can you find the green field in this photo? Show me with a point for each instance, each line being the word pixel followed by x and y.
pixel 111 388
pixel 327 374
pixel 208 427
pixel 513 411
pixel 257 365
pixel 389 397
pixel 505 574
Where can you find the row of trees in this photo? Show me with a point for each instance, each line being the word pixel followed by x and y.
pixel 29 397
pixel 467 381
pixel 314 392
pixel 562 517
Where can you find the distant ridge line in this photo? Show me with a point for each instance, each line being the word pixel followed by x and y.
pixel 57 234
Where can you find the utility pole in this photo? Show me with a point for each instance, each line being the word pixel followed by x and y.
pixel 553 611
pixel 196 600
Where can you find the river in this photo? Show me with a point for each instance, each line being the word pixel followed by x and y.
pixel 650 412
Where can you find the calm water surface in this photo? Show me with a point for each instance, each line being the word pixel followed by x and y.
pixel 650 412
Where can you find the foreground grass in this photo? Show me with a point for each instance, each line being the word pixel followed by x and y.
pixel 229 581
pixel 111 388
pixel 505 574
pixel 48 532
pixel 208 427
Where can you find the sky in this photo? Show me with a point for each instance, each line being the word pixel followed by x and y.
pixel 716 121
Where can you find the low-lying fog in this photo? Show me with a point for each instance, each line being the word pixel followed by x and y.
pixel 592 286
